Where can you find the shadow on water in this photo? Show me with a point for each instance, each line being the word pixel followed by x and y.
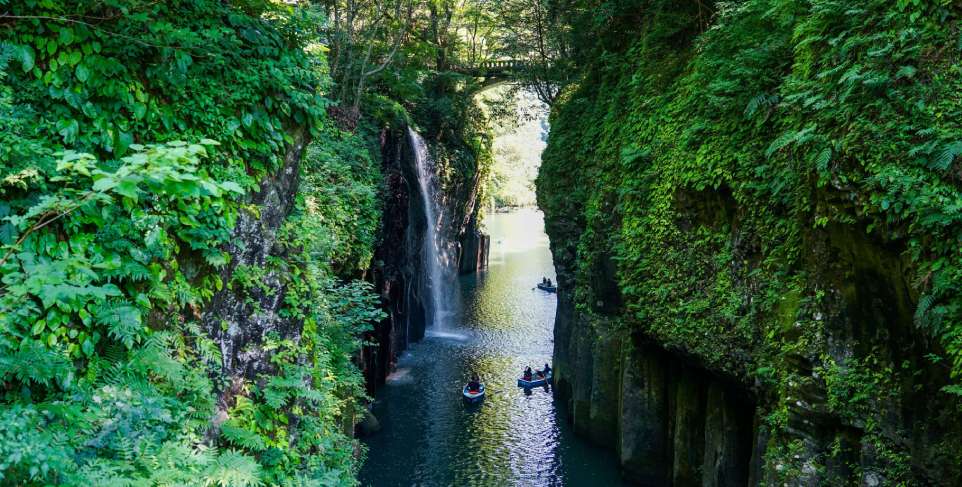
pixel 431 438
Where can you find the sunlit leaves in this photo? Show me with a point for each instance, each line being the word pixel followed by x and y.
pixel 78 285
pixel 112 248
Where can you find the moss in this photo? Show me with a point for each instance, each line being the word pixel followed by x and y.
pixel 769 193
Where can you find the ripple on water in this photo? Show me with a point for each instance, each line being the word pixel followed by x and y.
pixel 430 437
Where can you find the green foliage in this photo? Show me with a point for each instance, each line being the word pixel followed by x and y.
pixel 112 238
pixel 338 203
pixel 293 418
pixel 736 165
pixel 119 227
pixel 162 71
pixel 81 269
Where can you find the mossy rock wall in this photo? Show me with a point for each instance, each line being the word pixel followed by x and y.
pixel 755 200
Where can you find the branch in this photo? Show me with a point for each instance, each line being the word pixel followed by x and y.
pixel 43 223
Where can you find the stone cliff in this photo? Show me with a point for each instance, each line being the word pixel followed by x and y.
pixel 745 298
pixel 398 270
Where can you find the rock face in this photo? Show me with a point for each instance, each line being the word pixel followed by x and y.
pixel 674 419
pixel 475 247
pixel 671 423
pixel 743 299
pixel 398 271
pixel 240 321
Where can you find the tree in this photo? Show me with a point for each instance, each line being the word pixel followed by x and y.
pixel 531 31
pixel 365 36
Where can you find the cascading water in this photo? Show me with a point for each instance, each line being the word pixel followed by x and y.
pixel 437 250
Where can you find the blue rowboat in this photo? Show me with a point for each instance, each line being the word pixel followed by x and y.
pixel 545 287
pixel 535 381
pixel 473 397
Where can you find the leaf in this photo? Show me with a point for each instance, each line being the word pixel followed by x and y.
pixel 68 129
pixel 104 183
pixel 921 317
pixel 944 158
pixel 26 58
pixel 33 362
pixel 124 139
pixel 953 389
pixel 241 437
pixel 232 186
pixel 233 469
pixel 905 72
pixel 87 347
pixel 128 187
pixel 823 158
pixel 139 110
pixel 38 327
pixel 82 73
pixel 124 322
pixel 788 138
pixel 633 153
pixel 183 61
pixel 66 36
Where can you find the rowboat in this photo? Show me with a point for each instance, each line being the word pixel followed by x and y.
pixel 545 287
pixel 473 397
pixel 535 381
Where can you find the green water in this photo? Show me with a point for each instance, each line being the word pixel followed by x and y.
pixel 430 438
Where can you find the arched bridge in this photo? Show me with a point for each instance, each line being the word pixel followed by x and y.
pixel 493 69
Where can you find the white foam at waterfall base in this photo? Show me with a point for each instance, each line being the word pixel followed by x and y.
pixel 446 335
pixel 437 250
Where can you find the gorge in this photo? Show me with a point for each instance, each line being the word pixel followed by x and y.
pixel 260 242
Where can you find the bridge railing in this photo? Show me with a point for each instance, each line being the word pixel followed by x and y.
pixel 493 67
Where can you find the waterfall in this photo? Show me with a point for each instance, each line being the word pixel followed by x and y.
pixel 438 252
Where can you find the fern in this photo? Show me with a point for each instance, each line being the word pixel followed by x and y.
pixel 921 149
pixel 123 321
pixel 135 271
pixel 35 363
pixel 233 469
pixel 954 389
pixel 790 138
pixel 763 102
pixel 822 159
pixel 154 358
pixel 922 310
pixel 906 72
pixel 944 157
pixel 241 437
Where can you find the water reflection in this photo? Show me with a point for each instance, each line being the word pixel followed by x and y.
pixel 515 437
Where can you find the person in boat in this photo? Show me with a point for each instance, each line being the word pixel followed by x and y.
pixel 549 283
pixel 547 369
pixel 527 374
pixel 544 280
pixel 475 384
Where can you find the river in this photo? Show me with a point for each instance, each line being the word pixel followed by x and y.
pixel 429 437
